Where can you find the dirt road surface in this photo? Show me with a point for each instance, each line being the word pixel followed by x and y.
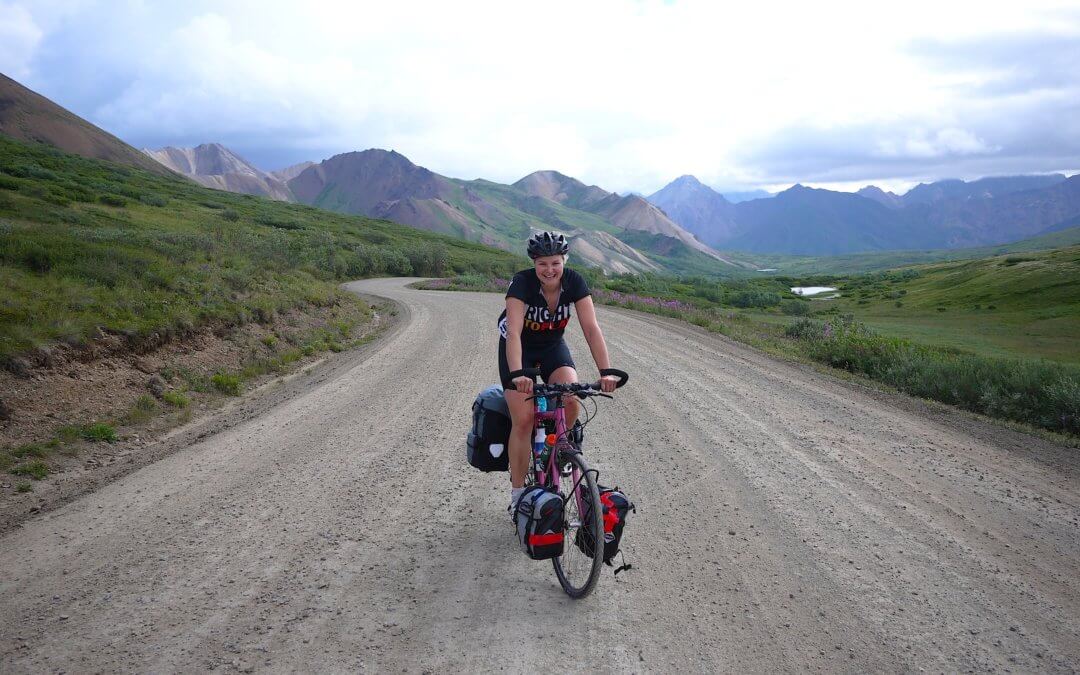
pixel 786 521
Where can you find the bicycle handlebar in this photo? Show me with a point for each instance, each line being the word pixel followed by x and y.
pixel 575 387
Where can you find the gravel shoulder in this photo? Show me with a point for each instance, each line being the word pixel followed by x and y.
pixel 787 521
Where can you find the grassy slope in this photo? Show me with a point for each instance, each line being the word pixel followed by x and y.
pixel 1035 299
pixel 677 256
pixel 87 244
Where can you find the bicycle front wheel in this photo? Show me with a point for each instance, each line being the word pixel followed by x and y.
pixel 578 568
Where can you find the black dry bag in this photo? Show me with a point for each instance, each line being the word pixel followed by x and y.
pixel 486 446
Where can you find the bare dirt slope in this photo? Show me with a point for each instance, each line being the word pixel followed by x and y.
pixel 786 522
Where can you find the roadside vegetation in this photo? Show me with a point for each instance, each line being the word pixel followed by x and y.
pixel 180 390
pixel 93 252
pixel 88 245
pixel 996 336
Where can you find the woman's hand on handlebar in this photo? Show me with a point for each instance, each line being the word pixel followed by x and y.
pixel 523 383
pixel 608 383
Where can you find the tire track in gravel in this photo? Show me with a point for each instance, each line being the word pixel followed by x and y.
pixel 787 521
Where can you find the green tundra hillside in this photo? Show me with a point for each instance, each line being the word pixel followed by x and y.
pixel 89 245
pixel 1021 304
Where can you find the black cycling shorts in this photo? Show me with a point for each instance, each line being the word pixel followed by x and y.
pixel 548 358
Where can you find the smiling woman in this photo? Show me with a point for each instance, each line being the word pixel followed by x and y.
pixel 531 328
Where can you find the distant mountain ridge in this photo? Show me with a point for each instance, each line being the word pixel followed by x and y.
pixel 994 186
pixel 698 208
pixel 630 212
pixel 563 189
pixel 943 214
pixel 386 184
pixel 215 166
pixel 887 199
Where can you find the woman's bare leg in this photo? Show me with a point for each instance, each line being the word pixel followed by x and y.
pixel 522 416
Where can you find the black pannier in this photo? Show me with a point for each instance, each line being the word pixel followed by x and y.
pixel 486 446
pixel 616 506
pixel 539 519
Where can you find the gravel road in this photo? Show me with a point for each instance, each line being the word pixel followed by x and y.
pixel 787 521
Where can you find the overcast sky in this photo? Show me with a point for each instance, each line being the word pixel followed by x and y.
pixel 627 95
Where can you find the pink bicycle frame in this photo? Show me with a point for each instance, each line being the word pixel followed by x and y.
pixel 549 475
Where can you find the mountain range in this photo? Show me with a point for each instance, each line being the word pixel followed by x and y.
pixel 678 229
pixel 808 221
pixel 386 184
pixel 215 166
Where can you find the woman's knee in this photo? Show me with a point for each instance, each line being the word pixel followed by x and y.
pixel 564 375
pixel 521 413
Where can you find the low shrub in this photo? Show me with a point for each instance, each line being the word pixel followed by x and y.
pixel 1039 393
pixel 112 200
pixel 29 450
pixel 274 220
pixel 36 469
pixel 36 257
pixel 795 307
pixel 803 329
pixel 176 399
pixel 226 383
pixel 99 431
pixel 230 215
pixel 30 171
pixel 154 200
pixel 144 408
pixel 755 298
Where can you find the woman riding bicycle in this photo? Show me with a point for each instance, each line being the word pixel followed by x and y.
pixel 531 336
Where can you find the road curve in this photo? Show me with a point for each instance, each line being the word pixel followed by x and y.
pixel 786 521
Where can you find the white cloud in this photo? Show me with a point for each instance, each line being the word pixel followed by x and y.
pixel 19 37
pixel 623 94
pixel 920 144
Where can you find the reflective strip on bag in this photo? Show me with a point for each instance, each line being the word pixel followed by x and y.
pixel 545 539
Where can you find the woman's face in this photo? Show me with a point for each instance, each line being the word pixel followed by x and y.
pixel 549 269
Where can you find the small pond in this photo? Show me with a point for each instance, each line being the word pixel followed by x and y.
pixel 811 290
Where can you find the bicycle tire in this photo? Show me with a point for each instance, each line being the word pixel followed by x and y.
pixel 576 571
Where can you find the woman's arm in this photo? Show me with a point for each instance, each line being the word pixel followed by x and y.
pixel 595 337
pixel 515 321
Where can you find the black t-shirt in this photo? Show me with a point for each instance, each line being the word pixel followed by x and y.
pixel 541 326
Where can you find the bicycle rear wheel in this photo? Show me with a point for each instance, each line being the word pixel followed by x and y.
pixel 577 571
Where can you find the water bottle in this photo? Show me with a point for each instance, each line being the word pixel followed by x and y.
pixel 545 453
pixel 538 442
pixel 541 404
